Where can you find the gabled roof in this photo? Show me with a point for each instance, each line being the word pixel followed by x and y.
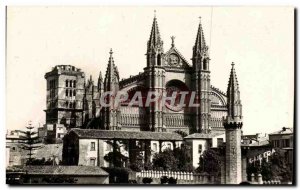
pixel 66 170
pixel 173 50
pixel 108 134
pixel 204 135
pixel 284 130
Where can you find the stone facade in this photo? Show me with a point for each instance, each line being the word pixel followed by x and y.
pixel 65 90
pixel 164 71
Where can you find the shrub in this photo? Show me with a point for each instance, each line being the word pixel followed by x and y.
pixel 147 180
pixel 164 179
pixel 172 180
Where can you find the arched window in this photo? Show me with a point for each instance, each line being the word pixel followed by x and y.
pixel 158 59
pixel 204 64
pixel 67 92
pixel 74 93
pixel 148 61
pixel 67 83
pixel 74 105
pixel 70 93
pixel 74 84
pixel 71 83
pixel 67 104
pixel 71 105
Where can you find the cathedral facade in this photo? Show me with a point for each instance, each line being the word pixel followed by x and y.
pixel 74 102
pixel 164 71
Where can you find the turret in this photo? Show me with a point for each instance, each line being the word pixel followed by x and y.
pixel 155 46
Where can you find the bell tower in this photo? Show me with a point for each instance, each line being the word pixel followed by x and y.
pixel 155 73
pixel 233 124
pixel 201 81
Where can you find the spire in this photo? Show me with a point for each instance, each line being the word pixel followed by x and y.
pixel 200 45
pixel 155 43
pixel 112 74
pixel 100 82
pixel 233 97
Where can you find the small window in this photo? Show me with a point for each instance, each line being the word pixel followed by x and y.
pixel 71 105
pixel 67 83
pixel 67 92
pixel 199 148
pixel 71 83
pixel 70 93
pixel 74 93
pixel 219 141
pixel 92 146
pixel 169 146
pixel 67 104
pixel 74 84
pixel 74 105
pixel 155 147
pixel 93 162
pixel 287 143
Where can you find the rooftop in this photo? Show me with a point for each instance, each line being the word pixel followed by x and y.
pixel 204 135
pixel 284 130
pixel 144 135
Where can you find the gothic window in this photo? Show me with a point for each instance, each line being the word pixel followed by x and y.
pixel 74 84
pixel 70 93
pixel 67 92
pixel 148 61
pixel 204 64
pixel 67 83
pixel 71 83
pixel 158 59
pixel 74 93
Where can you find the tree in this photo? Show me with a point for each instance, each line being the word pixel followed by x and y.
pixel 276 167
pixel 30 142
pixel 165 161
pixel 184 158
pixel 279 166
pixel 210 162
pixel 115 158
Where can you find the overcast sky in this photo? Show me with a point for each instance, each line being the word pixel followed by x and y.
pixel 259 40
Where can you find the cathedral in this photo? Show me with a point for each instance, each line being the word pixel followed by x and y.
pixel 164 71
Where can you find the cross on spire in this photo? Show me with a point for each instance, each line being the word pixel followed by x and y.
pixel 173 39
pixel 232 64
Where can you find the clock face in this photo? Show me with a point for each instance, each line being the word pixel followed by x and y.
pixel 174 60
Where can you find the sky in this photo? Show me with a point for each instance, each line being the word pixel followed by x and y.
pixel 260 40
